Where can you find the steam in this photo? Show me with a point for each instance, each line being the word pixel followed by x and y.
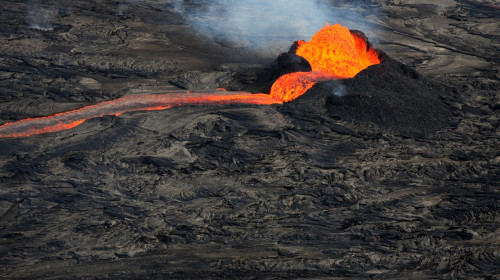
pixel 339 90
pixel 40 17
pixel 261 24
pixel 123 7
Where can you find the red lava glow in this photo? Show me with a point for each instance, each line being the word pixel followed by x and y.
pixel 142 102
pixel 292 85
pixel 333 53
pixel 491 6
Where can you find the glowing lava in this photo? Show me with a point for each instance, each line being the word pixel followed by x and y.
pixel 292 85
pixel 141 102
pixel 335 50
pixel 333 53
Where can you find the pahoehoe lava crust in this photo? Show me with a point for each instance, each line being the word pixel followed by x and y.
pixel 391 174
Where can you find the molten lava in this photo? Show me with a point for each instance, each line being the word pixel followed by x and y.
pixel 335 50
pixel 333 53
pixel 292 85
pixel 131 103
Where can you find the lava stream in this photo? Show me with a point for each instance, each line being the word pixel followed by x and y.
pixel 292 85
pixel 141 102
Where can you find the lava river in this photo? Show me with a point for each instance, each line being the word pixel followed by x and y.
pixel 333 53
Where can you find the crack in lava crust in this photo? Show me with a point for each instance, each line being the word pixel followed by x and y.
pixel 131 103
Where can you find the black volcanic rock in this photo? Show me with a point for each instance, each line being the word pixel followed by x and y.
pixel 392 96
pixel 289 63
pixel 260 79
pixel 389 94
pixel 295 46
pixel 357 179
pixel 362 35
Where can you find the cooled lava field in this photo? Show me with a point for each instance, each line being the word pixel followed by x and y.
pixel 169 139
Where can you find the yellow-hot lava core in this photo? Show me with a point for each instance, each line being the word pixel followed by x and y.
pixel 333 53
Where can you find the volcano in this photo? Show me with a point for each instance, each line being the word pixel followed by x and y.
pixel 193 140
pixel 334 53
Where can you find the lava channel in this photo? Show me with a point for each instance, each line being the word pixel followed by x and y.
pixel 333 53
pixel 140 102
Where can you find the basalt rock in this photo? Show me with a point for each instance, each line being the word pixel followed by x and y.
pixel 260 79
pixel 390 95
pixel 360 178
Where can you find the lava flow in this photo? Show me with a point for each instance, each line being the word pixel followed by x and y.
pixel 140 102
pixel 333 53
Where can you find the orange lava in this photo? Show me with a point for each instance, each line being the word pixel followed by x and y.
pixel 142 102
pixel 334 50
pixel 491 6
pixel 292 85
pixel 333 53
pixel 35 129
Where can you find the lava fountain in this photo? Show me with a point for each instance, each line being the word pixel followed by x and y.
pixel 333 53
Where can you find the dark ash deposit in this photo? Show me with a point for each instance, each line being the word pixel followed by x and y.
pixel 392 174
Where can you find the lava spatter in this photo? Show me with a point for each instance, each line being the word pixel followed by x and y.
pixel 335 50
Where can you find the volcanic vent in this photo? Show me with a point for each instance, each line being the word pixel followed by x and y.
pixel 333 53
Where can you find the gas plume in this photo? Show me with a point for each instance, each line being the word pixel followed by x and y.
pixel 267 27
pixel 40 16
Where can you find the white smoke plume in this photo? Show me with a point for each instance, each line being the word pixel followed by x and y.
pixel 262 24
pixel 339 90
pixel 122 8
pixel 40 16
